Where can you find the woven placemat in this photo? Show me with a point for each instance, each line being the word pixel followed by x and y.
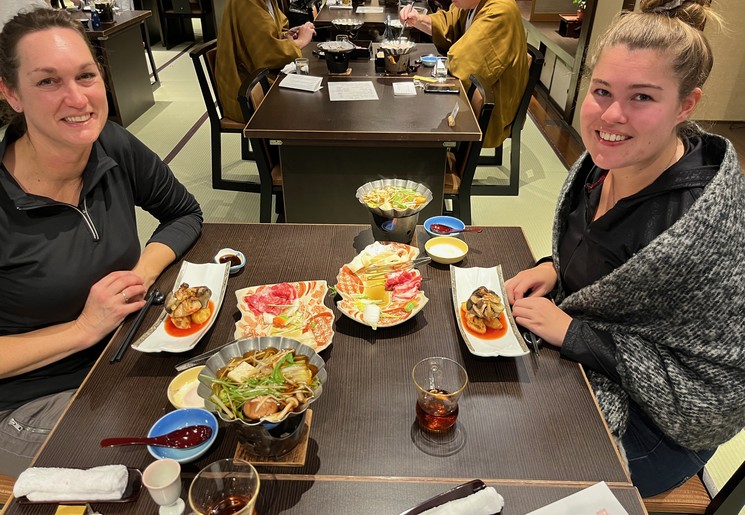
pixel 294 458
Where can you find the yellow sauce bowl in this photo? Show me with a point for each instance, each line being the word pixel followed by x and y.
pixel 182 390
pixel 446 249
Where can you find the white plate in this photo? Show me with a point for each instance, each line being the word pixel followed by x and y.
pixel 212 275
pixel 311 295
pixel 348 283
pixel 464 281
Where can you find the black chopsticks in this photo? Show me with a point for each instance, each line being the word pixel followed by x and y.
pixel 132 330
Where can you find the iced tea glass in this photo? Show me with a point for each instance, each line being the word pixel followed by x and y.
pixel 225 487
pixel 439 384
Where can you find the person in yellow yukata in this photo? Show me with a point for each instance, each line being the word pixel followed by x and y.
pixel 253 34
pixel 484 38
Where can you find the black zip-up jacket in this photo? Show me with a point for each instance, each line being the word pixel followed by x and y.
pixel 51 253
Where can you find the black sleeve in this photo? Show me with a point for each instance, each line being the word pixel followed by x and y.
pixel 593 348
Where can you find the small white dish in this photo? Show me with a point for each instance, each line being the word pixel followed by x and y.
pixel 235 258
pixel 446 250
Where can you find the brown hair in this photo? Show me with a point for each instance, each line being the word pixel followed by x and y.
pixel 20 25
pixel 672 27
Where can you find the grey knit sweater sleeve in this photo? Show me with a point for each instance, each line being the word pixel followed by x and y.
pixel 674 311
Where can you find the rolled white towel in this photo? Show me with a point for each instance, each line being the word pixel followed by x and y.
pixel 484 502
pixel 40 484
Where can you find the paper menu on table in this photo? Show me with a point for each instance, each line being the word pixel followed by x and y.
pixel 369 10
pixel 404 88
pixel 595 500
pixel 352 90
pixel 301 82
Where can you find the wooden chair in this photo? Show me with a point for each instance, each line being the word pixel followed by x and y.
pixel 535 58
pixel 6 488
pixel 250 95
pixel 204 57
pixel 462 162
pixel 692 497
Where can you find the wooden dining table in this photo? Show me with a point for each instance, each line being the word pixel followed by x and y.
pixel 328 149
pixel 530 425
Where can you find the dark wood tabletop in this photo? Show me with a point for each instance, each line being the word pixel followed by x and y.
pixel 294 115
pixel 530 425
pixel 122 21
pixel 327 15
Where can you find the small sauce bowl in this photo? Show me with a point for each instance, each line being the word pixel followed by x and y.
pixel 235 257
pixel 446 250
pixel 182 391
pixel 428 60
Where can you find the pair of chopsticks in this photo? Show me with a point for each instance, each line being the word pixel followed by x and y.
pixel 534 341
pixel 385 269
pixel 133 330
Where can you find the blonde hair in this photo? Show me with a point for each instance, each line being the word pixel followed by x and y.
pixel 671 27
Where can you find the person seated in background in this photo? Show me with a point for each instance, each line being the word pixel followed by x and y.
pixel 254 34
pixel 647 270
pixel 484 38
pixel 71 269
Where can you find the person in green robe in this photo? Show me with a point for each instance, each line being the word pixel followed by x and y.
pixel 253 34
pixel 484 38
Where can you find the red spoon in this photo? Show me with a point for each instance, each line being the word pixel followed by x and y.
pixel 189 436
pixel 446 229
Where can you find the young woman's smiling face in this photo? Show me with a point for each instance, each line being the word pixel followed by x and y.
pixel 632 109
pixel 60 89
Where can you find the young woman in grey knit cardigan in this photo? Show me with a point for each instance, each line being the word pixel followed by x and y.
pixel 647 273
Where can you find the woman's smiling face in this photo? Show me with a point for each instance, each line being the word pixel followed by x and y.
pixel 632 109
pixel 60 88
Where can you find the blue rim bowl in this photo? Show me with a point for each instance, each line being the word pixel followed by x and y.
pixel 176 420
pixel 451 221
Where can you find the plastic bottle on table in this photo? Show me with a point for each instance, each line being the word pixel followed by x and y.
pixel 95 19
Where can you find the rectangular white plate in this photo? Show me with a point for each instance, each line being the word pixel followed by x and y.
pixel 212 275
pixel 464 281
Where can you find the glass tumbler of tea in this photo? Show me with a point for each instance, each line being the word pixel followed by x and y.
pixel 225 487
pixel 439 384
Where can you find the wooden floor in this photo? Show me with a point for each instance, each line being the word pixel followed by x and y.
pixel 568 145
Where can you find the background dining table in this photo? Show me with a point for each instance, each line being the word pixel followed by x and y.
pixel 530 425
pixel 349 143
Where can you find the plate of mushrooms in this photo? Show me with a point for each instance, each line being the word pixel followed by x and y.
pixel 483 313
pixel 190 309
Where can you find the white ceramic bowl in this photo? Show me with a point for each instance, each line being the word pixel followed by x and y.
pixel 231 254
pixel 182 391
pixel 428 60
pixel 446 250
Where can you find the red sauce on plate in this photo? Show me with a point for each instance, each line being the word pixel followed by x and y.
pixel 174 331
pixel 491 334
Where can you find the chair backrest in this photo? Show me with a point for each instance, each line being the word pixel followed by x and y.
pixel 250 95
pixel 466 156
pixel 535 60
pixel 203 58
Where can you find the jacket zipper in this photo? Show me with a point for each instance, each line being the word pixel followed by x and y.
pixel 20 427
pixel 83 212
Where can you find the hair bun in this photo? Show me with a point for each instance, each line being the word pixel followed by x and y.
pixel 691 12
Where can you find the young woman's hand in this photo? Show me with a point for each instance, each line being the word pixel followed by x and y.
pixel 533 282
pixel 543 318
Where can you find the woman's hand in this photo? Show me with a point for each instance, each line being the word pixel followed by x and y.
pixel 533 282
pixel 302 34
pixel 109 302
pixel 543 318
